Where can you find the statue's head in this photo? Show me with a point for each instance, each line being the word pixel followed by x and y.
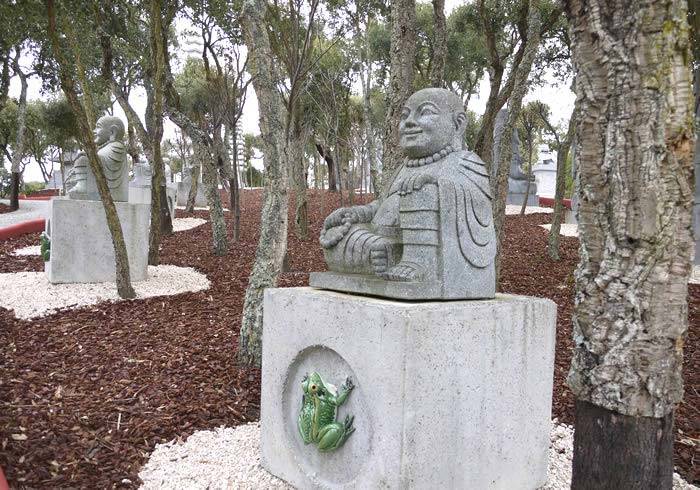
pixel 431 119
pixel 108 128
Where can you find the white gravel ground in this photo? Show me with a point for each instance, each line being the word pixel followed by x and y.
pixel 182 224
pixel 200 208
pixel 567 229
pixel 31 295
pixel 30 250
pixel 513 209
pixel 227 458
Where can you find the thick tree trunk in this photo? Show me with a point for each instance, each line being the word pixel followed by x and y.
pixel 403 51
pixel 272 245
pixel 123 276
pixel 161 221
pixel 634 137
pixel 437 68
pixel 614 451
pixel 328 158
pixel 14 191
pixel 520 87
pixel 18 151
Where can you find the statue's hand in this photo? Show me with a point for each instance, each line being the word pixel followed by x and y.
pixel 415 183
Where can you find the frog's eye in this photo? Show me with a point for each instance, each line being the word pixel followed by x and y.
pixel 313 387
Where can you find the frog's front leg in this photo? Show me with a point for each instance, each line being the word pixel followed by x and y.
pixel 334 435
pixel 344 392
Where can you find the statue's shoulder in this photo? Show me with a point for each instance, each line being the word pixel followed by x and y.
pixel 468 165
pixel 114 150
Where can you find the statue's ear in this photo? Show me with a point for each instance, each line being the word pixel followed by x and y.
pixel 460 120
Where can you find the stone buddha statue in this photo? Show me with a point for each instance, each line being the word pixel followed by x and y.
pixel 111 150
pixel 431 235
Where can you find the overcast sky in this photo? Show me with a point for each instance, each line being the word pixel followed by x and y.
pixel 559 98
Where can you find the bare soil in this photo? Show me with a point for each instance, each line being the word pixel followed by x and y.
pixel 87 393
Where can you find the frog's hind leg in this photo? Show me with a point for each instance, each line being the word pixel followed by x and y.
pixel 330 437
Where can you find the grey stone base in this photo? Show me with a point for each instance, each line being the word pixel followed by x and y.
pixel 183 191
pixel 81 245
pixel 139 194
pixel 516 198
pixel 376 286
pixel 447 394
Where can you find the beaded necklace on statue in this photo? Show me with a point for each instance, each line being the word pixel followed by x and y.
pixel 439 155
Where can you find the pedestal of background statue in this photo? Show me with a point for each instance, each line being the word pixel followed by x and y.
pixel 141 194
pixel 183 191
pixel 81 244
pixel 517 198
pixel 453 394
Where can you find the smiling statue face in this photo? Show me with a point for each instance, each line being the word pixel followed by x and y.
pixel 427 123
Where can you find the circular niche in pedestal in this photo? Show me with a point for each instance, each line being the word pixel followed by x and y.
pixel 342 465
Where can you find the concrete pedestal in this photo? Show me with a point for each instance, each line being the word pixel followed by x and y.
pixel 183 191
pixel 81 245
pixel 140 194
pixel 447 394
pixel 517 198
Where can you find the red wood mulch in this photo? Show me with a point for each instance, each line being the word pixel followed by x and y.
pixel 4 208
pixel 86 394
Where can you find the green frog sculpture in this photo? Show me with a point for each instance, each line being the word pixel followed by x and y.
pixel 319 408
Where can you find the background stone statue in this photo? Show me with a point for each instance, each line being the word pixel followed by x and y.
pixel 517 179
pixel 431 235
pixel 111 150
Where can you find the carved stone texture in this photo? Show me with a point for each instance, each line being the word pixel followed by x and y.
pixel 109 138
pixel 431 236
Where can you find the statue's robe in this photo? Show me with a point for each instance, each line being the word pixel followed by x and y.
pixel 452 214
pixel 113 159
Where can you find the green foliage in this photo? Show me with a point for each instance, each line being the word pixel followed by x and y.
pixel 472 129
pixel 29 188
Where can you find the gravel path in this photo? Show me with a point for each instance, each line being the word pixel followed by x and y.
pixel 513 209
pixel 227 458
pixel 28 210
pixel 30 250
pixel 567 229
pixel 31 295
pixel 182 224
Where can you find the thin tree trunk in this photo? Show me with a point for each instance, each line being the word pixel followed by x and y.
pixel 634 147
pixel 123 277
pixel 272 245
pixel 235 204
pixel 558 214
pixel 529 176
pixel 210 180
pixel 21 130
pixel 296 154
pixel 194 175
pixel 403 51
pixel 366 80
pixel 437 68
pixel 500 189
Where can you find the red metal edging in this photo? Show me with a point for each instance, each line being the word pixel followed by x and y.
pixel 12 231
